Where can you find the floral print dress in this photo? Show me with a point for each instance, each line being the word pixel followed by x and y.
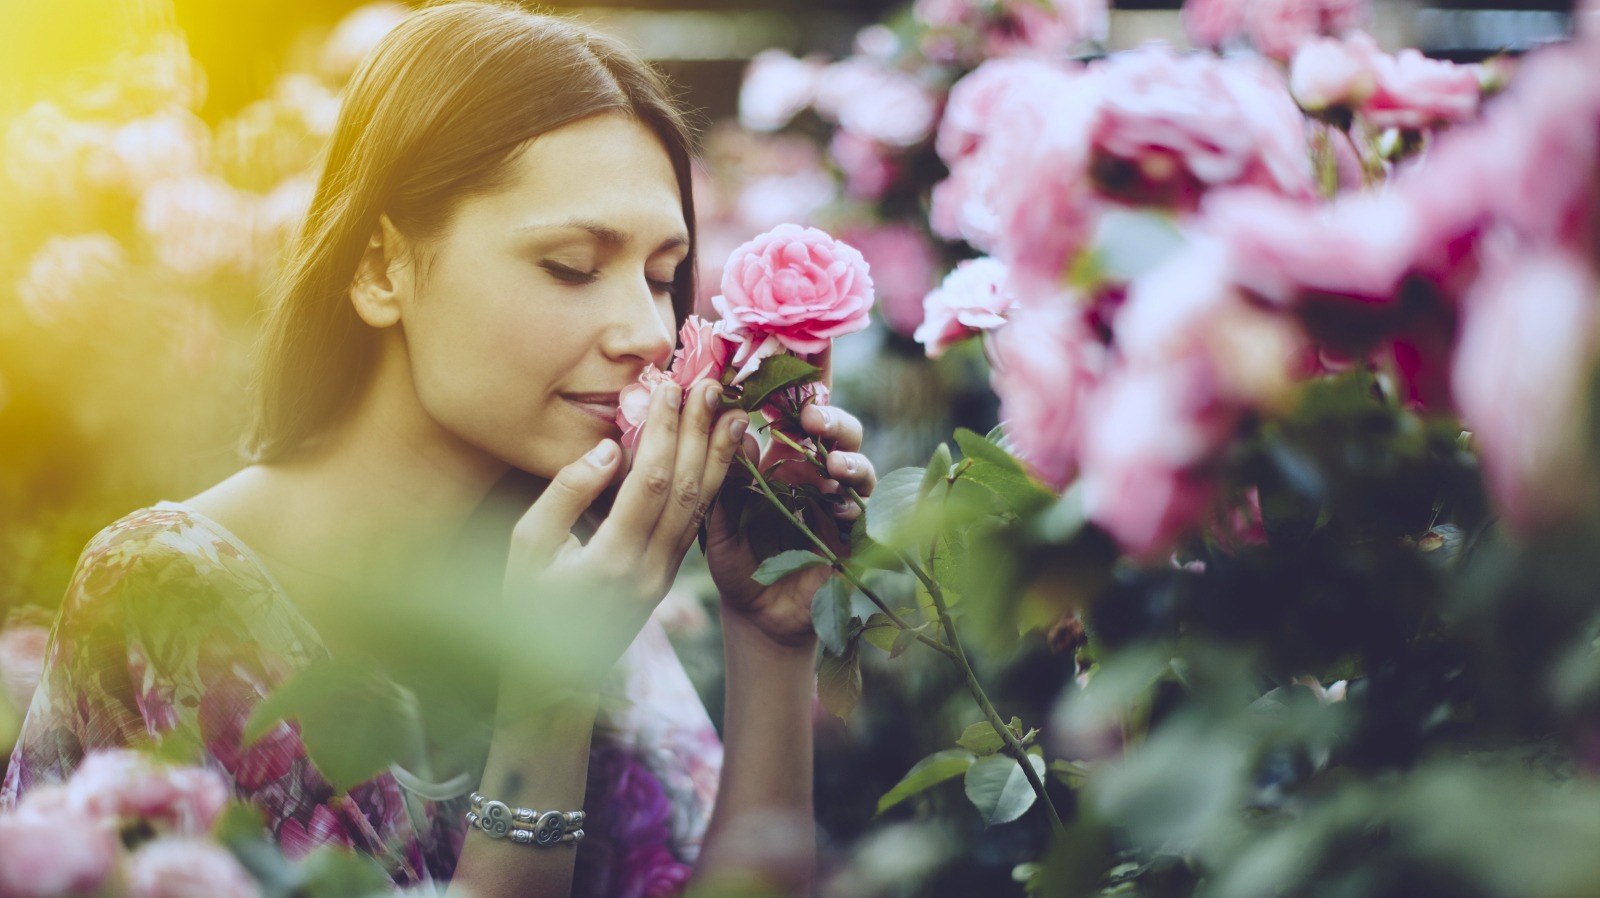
pixel 116 675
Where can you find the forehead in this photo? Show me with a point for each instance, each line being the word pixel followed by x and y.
pixel 606 168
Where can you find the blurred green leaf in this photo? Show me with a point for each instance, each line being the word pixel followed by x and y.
pixel 777 372
pixel 905 639
pixel 839 680
pixel 938 468
pixel 329 872
pixel 785 563
pixel 354 721
pixel 830 614
pixel 980 448
pixel 981 739
pixel 880 631
pixel 999 789
pixel 927 773
pixel 1069 773
pixel 893 509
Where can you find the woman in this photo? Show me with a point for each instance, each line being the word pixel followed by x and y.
pixel 500 242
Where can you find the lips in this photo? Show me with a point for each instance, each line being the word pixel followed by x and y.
pixel 600 405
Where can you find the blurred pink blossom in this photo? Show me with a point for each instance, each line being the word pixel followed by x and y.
pixel 1276 28
pixel 776 87
pixel 1415 92
pixel 1046 364
pixel 989 29
pixel 868 171
pixel 1171 126
pixel 1333 72
pixel 974 298
pixel 1523 367
pixel 122 784
pixel 47 855
pixel 66 274
pixel 21 662
pixel 876 101
pixel 902 262
pixel 187 868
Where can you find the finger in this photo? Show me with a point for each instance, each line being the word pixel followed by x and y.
pixel 547 524
pixel 824 360
pixel 722 470
pixel 687 504
pixel 854 470
pixel 646 489
pixel 836 425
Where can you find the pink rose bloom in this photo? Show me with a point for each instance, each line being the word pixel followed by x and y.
pixel 1523 366
pixel 880 103
pixel 868 171
pixel 1046 364
pixel 122 784
pixel 991 94
pixel 633 404
pixel 1011 27
pixel 47 855
pixel 792 289
pixel 1149 431
pixel 701 354
pixel 1173 126
pixel 21 663
pixel 1276 28
pixel 1328 72
pixel 776 87
pixel 187 868
pixel 902 262
pixel 974 298
pixel 1213 23
pixel 1415 92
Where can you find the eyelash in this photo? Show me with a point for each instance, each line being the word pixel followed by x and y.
pixel 574 276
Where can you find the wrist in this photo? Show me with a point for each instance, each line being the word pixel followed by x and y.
pixel 744 639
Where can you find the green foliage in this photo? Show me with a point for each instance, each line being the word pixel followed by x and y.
pixel 354 721
pixel 892 518
pixel 997 786
pixel 777 373
pixel 832 617
pixel 981 739
pixel 928 772
pixel 839 680
pixel 785 563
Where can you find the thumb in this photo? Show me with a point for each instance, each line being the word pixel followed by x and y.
pixel 547 524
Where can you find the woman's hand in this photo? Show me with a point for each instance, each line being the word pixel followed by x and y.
pixel 782 611
pixel 581 605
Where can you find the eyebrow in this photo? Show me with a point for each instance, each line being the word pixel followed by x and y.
pixel 608 236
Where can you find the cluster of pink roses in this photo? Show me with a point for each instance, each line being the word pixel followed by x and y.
pixel 69 839
pixel 791 290
pixel 1447 277
pixel 1274 27
pixel 964 30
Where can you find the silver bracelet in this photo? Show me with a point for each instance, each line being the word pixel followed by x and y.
pixel 525 826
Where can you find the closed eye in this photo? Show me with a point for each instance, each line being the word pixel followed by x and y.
pixel 664 287
pixel 570 275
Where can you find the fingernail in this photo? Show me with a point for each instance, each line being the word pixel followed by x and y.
pixel 674 395
pixel 737 428
pixel 827 416
pixel 849 464
pixel 603 454
pixel 712 395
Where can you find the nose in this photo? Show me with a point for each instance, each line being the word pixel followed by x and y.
pixel 642 327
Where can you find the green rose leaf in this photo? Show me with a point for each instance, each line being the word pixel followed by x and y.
pixel 928 772
pixel 999 789
pixel 777 372
pixel 981 739
pixel 785 563
pixel 839 680
pixel 893 508
pixel 830 614
pixel 938 469
pixel 354 721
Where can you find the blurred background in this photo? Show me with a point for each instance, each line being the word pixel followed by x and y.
pixel 157 156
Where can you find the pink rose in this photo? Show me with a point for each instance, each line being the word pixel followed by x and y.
pixel 1009 27
pixel 1276 28
pixel 1046 363
pixel 902 263
pixel 702 353
pixel 121 784
pixel 974 298
pixel 633 404
pixel 187 868
pixel 46 855
pixel 1333 73
pixel 1149 433
pixel 1523 366
pixel 868 171
pixel 880 103
pixel 994 95
pixel 776 87
pixel 1213 23
pixel 1173 126
pixel 21 663
pixel 795 288
pixel 1416 92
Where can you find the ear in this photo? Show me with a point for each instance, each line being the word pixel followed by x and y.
pixel 383 276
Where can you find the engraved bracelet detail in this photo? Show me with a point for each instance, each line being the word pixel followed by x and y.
pixel 525 826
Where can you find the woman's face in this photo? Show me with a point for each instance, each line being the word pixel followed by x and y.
pixel 545 298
